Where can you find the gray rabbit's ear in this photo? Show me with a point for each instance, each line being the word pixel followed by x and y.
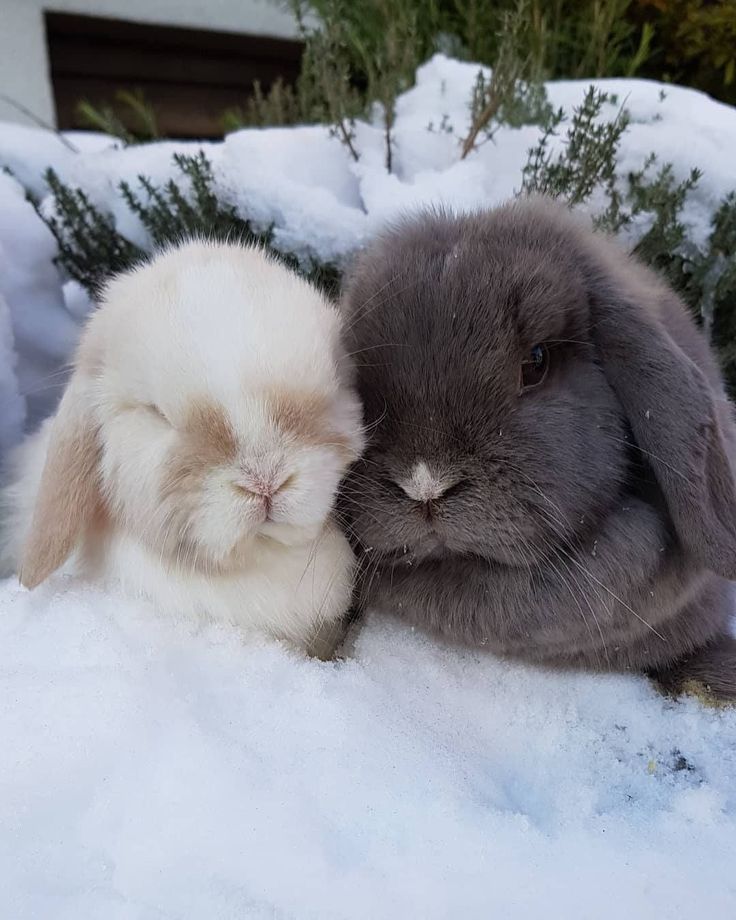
pixel 681 422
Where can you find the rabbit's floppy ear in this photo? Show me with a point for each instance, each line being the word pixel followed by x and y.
pixel 69 491
pixel 679 420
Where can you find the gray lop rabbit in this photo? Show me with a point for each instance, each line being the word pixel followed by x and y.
pixel 549 472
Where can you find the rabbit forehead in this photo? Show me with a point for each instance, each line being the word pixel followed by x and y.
pixel 472 278
pixel 222 318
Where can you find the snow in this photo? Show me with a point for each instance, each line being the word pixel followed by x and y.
pixel 155 769
pixel 12 404
pixel 300 180
pixel 152 769
pixel 37 333
pixel 29 152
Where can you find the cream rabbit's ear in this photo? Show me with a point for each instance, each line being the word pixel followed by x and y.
pixel 69 492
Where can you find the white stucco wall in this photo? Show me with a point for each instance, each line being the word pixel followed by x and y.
pixel 24 66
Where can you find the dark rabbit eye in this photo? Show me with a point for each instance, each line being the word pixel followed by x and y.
pixel 534 368
pixel 155 411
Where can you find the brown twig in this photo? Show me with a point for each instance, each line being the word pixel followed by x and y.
pixel 486 115
pixel 347 139
pixel 387 134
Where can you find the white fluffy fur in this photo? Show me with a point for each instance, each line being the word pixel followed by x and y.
pixel 225 326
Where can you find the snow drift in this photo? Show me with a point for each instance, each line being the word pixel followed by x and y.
pixel 153 770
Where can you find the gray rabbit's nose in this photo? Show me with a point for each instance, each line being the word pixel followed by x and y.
pixel 423 484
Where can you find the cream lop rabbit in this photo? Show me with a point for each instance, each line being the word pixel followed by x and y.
pixel 195 456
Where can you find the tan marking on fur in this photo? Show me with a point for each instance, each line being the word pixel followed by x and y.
pixel 68 499
pixel 210 428
pixel 305 417
pixel 207 441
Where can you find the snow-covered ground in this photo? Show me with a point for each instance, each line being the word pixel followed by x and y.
pixel 151 769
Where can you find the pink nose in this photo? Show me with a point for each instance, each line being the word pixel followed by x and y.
pixel 262 486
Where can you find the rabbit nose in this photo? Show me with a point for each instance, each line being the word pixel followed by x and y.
pixel 263 486
pixel 423 485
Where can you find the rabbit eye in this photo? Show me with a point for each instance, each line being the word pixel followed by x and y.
pixel 154 410
pixel 534 368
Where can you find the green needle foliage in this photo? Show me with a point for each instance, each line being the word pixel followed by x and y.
pixel 188 207
pixel 91 249
pixel 132 119
pixel 589 159
pixel 514 93
pixel 703 274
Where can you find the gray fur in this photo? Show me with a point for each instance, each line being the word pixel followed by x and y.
pixel 591 522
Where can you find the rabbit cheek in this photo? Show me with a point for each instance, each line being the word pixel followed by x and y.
pixel 132 452
pixel 318 445
pixel 222 520
pixel 196 488
pixel 308 502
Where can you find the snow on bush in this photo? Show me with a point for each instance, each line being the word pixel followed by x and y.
pixel 159 770
pixel 320 202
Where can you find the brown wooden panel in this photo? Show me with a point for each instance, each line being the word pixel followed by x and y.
pixel 124 62
pixel 189 76
pixel 194 111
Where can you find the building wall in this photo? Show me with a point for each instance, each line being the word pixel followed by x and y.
pixel 24 66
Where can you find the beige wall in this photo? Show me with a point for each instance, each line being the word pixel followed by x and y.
pixel 24 67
